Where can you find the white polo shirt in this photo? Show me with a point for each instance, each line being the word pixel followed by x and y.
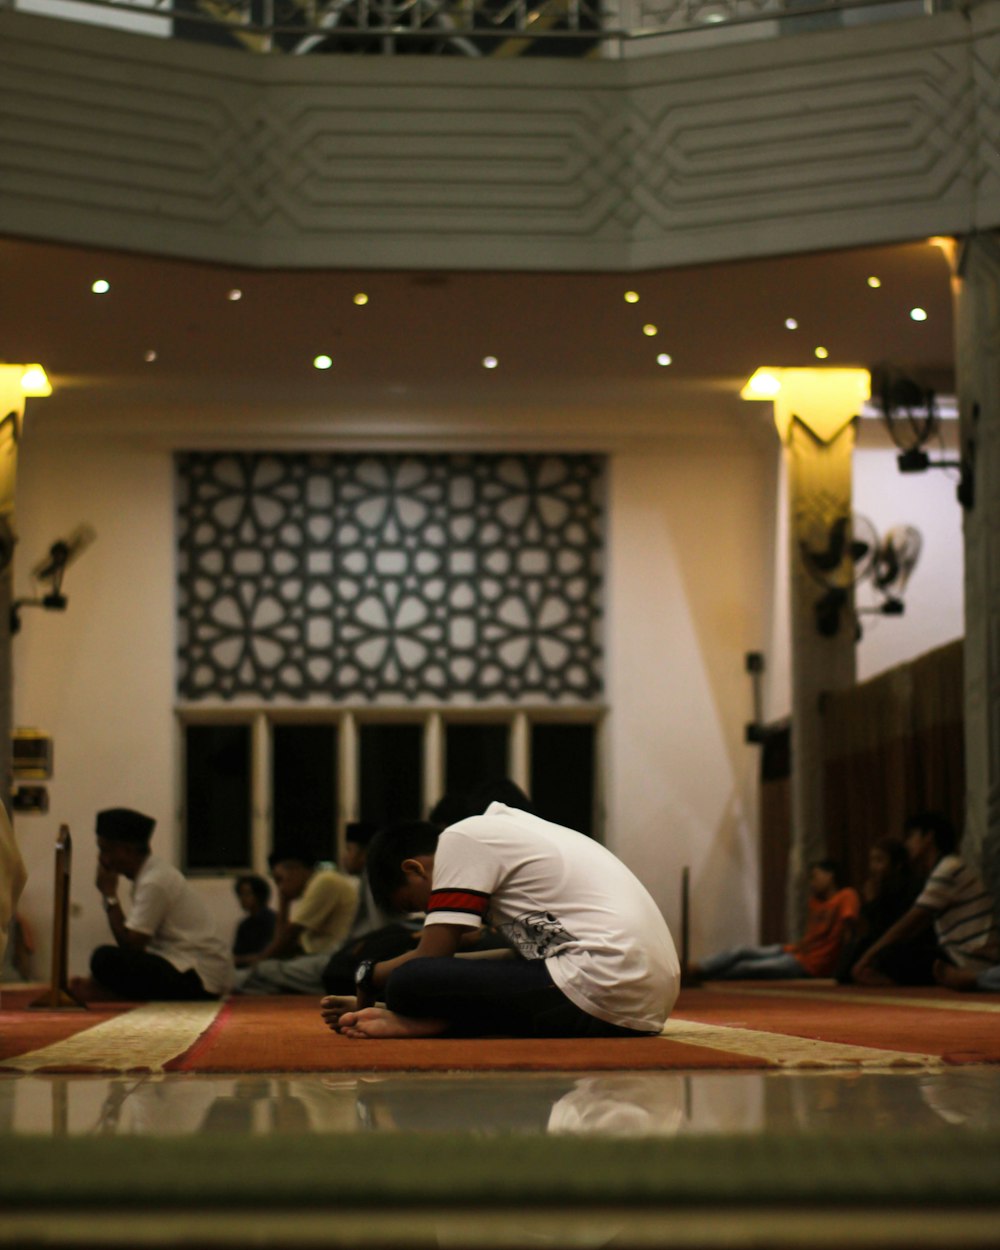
pixel 179 926
pixel 560 896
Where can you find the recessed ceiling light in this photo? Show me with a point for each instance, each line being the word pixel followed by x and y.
pixel 874 282
pixel 918 314
pixel 631 297
pixel 791 323
pixel 322 362
pixel 149 356
pixel 821 353
pixel 490 362
pixel 100 286
pixel 361 298
pixel 234 294
pixel 664 359
pixel 649 329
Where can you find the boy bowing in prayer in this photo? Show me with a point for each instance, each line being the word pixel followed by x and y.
pixel 594 957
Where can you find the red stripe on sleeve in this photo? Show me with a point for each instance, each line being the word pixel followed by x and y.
pixel 459 900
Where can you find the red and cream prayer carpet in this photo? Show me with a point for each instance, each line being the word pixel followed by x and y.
pixel 805 1025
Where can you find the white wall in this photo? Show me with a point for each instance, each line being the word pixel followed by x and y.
pixel 99 677
pixel 688 595
pixel 693 584
pixel 686 559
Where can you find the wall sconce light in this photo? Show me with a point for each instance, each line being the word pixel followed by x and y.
pixel 35 382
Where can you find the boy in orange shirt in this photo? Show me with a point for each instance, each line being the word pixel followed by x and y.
pixel 833 912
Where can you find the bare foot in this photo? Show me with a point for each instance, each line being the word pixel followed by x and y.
pixel 334 1006
pixel 954 978
pixel 380 1022
pixel 87 990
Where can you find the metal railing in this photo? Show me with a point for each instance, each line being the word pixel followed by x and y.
pixel 466 27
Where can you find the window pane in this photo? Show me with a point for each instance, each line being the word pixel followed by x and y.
pixel 217 796
pixel 391 765
pixel 562 774
pixel 474 754
pixel 304 789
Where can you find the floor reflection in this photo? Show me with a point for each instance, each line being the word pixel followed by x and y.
pixel 640 1104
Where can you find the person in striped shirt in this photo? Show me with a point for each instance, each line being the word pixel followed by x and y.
pixel 953 899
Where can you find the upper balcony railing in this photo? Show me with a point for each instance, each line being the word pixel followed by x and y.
pixel 476 28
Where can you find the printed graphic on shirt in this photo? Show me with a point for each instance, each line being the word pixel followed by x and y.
pixel 474 902
pixel 537 934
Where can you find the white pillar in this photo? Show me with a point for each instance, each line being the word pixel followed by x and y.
pixel 815 412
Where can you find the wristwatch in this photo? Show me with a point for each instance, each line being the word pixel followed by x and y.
pixel 110 900
pixel 364 976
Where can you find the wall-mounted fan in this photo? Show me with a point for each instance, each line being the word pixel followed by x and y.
pixel 910 413
pixel 849 550
pixel 836 557
pixel 50 571
pixel 895 560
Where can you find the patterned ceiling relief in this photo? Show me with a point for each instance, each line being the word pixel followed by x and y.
pixel 390 576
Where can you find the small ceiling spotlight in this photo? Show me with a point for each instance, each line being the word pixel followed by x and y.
pixel 874 282
pixel 322 362
pixel 821 353
pixel 149 356
pixel 361 299
pixel 490 362
pixel 918 314
pixel 631 297
pixel 234 294
pixel 664 359
pixel 100 286
pixel 649 330
pixel 791 323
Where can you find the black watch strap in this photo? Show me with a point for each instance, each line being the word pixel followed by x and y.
pixel 364 974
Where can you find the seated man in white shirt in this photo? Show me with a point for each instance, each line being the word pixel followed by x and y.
pixel 596 957
pixel 167 946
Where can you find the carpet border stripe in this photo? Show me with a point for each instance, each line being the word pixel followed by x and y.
pixel 141 1040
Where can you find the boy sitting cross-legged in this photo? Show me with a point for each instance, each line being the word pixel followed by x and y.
pixel 594 957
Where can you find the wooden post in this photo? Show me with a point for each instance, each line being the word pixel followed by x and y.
pixel 58 994
pixel 685 918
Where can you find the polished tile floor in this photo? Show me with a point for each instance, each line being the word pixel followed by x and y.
pixel 637 1104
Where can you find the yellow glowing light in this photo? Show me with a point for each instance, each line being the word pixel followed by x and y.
pixel 631 297
pixel 664 359
pixel 874 282
pixel 234 294
pixel 361 298
pixel 322 362
pixel 824 399
pixel 34 381
pixel 918 314
pixel 649 330
pixel 100 286
pixel 821 353
pixel 764 384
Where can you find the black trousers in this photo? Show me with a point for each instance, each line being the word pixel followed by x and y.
pixel 138 975
pixel 489 998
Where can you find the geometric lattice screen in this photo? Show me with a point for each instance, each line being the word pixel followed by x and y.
pixel 388 577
